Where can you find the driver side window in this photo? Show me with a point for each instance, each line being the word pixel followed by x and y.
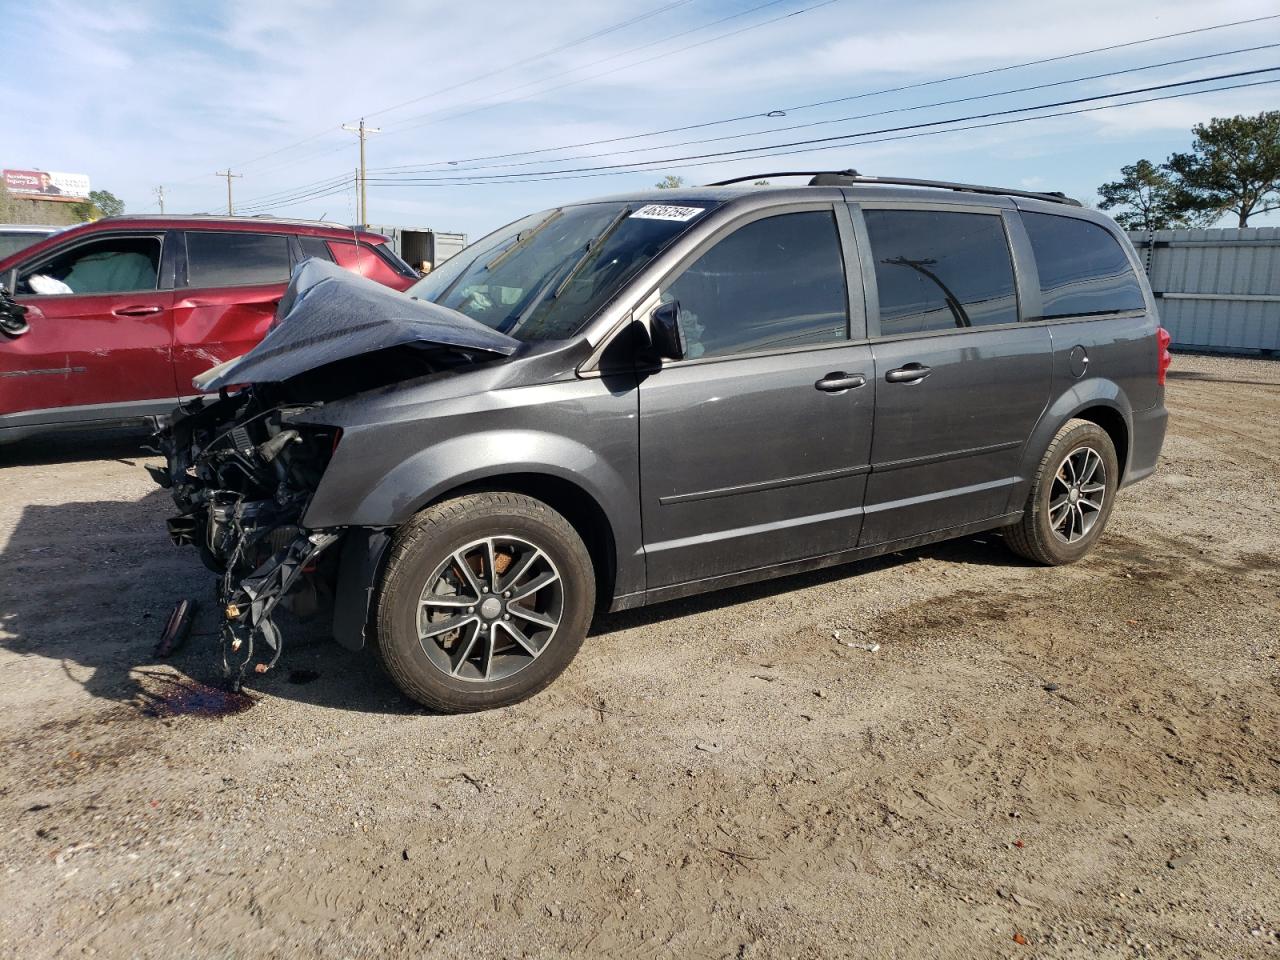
pixel 773 284
pixel 110 265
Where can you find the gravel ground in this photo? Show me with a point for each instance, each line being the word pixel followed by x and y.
pixel 1075 762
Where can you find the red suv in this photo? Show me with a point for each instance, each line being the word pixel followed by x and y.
pixel 123 312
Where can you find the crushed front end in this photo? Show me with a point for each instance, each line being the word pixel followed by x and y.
pixel 244 462
pixel 242 470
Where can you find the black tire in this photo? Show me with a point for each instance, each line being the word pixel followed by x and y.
pixel 1035 536
pixel 424 546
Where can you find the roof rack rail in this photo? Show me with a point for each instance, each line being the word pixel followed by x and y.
pixel 847 178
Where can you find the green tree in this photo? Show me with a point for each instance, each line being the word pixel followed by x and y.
pixel 1233 167
pixel 107 202
pixel 101 203
pixel 669 182
pixel 1148 197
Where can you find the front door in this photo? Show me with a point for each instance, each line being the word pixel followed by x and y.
pixel 234 281
pixel 754 449
pixel 960 381
pixel 100 332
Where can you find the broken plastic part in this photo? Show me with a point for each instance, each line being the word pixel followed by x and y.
pixel 176 628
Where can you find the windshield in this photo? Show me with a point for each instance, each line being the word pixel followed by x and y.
pixel 543 277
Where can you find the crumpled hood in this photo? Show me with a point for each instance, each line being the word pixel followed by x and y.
pixel 331 314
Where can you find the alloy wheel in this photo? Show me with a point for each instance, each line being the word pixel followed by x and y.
pixel 490 609
pixel 1077 495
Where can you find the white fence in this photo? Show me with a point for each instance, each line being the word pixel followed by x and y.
pixel 1217 289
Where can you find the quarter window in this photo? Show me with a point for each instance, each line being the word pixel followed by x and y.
pixel 314 247
pixel 938 270
pixel 1083 270
pixel 773 284
pixel 228 259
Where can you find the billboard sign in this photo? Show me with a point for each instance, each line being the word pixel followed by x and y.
pixel 48 184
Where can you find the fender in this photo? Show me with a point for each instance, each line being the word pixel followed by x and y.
pixel 1094 392
pixel 407 487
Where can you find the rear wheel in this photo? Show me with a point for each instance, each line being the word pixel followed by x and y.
pixel 1071 496
pixel 485 600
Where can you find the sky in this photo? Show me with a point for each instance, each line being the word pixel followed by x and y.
pixel 139 95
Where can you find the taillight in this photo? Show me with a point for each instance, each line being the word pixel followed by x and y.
pixel 1165 359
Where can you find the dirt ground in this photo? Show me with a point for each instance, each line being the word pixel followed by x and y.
pixel 1077 762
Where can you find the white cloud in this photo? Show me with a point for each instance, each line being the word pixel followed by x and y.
pixel 138 94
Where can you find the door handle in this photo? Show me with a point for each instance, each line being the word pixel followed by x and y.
pixel 136 311
pixel 840 381
pixel 911 373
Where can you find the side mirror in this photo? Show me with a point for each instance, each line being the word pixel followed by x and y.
pixel 13 321
pixel 665 332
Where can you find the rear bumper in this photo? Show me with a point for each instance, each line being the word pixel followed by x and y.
pixel 1145 441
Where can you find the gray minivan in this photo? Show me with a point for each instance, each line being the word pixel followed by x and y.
pixel 627 400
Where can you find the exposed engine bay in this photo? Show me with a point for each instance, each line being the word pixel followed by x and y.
pixel 244 464
pixel 242 472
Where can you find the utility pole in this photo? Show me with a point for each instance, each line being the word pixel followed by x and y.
pixel 231 210
pixel 159 192
pixel 363 131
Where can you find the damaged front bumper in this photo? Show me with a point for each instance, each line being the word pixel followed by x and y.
pixel 248 605
pixel 242 471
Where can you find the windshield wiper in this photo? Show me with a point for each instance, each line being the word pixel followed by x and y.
pixel 592 246
pixel 548 290
pixel 523 239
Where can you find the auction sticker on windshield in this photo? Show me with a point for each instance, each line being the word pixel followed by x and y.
pixel 662 211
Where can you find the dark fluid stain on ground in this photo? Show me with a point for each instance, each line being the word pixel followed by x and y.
pixel 183 697
pixel 303 676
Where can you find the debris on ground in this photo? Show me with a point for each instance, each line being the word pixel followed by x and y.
pixel 177 628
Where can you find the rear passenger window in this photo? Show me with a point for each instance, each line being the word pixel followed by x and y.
pixel 230 259
pixel 937 270
pixel 1083 270
pixel 773 284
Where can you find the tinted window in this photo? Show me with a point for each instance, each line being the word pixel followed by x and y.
pixel 11 243
pixel 1082 267
pixel 235 259
pixel 314 247
pixel 938 271
pixel 111 265
pixel 775 283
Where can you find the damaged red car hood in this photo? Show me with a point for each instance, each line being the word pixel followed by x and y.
pixel 330 314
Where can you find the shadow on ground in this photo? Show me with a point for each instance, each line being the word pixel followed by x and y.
pixel 90 585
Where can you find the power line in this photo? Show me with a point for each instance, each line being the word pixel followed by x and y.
pixel 291 194
pixel 316 195
pixel 640 168
pixel 862 116
pixel 476 79
pixel 493 177
pixel 859 96
pixel 426 117
pixel 647 167
pixel 290 191
pixel 537 56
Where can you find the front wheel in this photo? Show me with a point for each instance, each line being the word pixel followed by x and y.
pixel 485 600
pixel 1071 496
